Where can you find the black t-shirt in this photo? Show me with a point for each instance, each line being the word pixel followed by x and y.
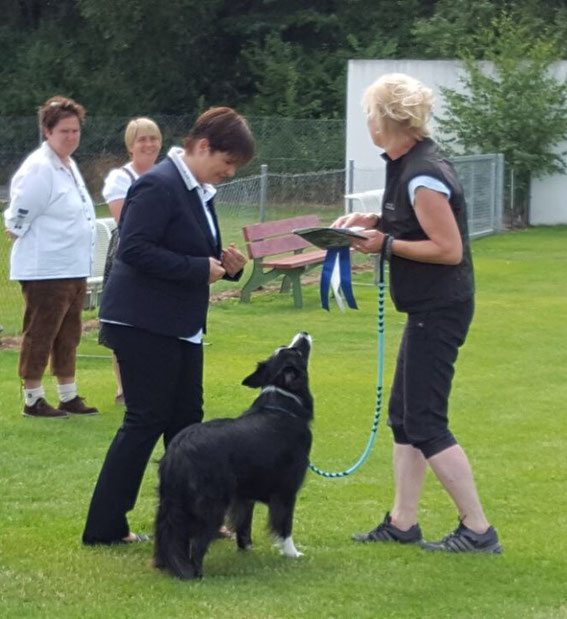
pixel 418 286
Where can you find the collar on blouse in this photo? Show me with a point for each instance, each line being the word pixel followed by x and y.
pixel 176 155
pixel 54 157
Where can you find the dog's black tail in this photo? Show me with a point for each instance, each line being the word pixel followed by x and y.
pixel 172 538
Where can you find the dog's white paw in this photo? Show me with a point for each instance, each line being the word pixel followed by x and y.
pixel 287 547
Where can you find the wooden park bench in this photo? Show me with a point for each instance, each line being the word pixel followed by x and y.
pixel 276 252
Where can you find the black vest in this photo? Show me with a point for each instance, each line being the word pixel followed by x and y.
pixel 419 286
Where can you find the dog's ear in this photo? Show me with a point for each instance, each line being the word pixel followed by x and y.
pixel 257 378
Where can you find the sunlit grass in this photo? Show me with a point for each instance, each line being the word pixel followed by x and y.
pixel 507 409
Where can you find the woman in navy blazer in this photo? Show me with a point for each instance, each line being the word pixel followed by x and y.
pixel 154 306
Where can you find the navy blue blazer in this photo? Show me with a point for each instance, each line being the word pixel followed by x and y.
pixel 159 280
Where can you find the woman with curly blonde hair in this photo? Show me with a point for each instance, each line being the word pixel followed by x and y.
pixel 422 232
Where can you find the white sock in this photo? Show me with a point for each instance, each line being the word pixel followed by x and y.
pixel 33 395
pixel 67 392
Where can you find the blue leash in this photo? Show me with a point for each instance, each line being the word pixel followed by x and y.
pixel 379 387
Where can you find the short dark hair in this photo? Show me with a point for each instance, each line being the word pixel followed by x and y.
pixel 227 132
pixel 57 108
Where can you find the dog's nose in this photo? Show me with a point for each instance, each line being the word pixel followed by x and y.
pixel 302 336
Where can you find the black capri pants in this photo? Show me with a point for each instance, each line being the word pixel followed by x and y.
pixel 419 399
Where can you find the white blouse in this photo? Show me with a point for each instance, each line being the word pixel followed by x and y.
pixel 53 218
pixel 117 183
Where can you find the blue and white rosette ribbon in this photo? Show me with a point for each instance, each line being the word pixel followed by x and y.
pixel 336 275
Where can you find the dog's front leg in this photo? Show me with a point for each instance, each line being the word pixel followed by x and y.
pixel 281 522
pixel 287 547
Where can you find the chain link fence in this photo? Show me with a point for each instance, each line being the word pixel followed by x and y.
pixel 482 177
pixel 299 168
pixel 284 144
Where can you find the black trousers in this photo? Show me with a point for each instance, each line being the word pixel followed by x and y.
pixel 419 399
pixel 163 388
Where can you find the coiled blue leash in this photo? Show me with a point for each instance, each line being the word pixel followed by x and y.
pixel 379 386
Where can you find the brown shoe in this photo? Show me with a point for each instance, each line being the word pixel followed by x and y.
pixel 77 406
pixel 43 409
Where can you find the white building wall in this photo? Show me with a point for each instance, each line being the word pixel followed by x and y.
pixel 548 194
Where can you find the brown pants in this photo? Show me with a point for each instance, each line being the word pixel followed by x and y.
pixel 52 326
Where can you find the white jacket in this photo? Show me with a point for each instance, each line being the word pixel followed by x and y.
pixel 53 217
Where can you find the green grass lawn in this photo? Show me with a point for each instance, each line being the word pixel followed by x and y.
pixel 507 409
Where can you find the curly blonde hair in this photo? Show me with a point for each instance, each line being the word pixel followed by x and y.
pixel 397 102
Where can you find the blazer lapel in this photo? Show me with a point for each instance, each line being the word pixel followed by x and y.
pixel 199 212
pixel 217 243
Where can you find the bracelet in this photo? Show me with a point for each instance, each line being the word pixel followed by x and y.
pixel 387 247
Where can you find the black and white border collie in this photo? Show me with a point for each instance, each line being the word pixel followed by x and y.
pixel 219 469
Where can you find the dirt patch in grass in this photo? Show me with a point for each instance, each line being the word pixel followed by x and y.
pixel 10 341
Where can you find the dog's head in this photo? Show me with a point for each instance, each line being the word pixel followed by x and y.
pixel 286 368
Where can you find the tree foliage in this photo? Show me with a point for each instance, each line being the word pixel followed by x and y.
pixel 513 104
pixel 262 56
pixel 142 56
pixel 459 26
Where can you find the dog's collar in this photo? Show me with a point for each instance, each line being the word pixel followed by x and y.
pixel 273 388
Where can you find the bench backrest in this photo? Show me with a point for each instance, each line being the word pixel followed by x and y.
pixel 276 237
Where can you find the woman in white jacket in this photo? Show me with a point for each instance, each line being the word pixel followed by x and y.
pixel 52 221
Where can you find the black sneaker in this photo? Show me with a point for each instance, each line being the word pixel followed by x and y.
pixel 44 410
pixel 387 532
pixel 462 539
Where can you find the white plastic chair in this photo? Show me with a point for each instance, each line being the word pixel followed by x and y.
pixel 104 228
pixel 367 201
